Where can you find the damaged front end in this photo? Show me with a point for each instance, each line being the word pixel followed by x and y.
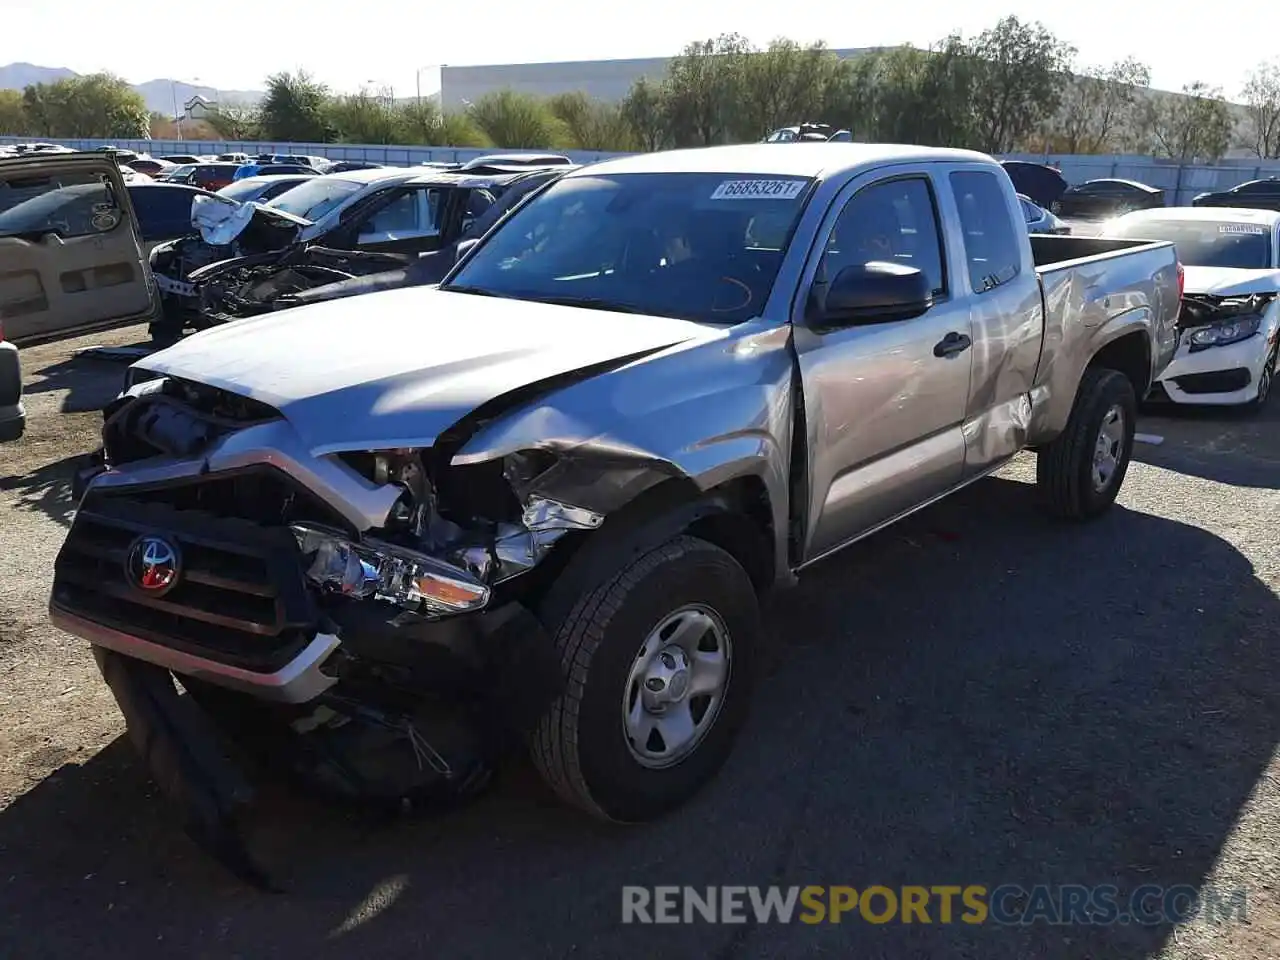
pixel 1208 321
pixel 386 663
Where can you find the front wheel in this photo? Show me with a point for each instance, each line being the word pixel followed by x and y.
pixel 658 665
pixel 1266 382
pixel 1080 473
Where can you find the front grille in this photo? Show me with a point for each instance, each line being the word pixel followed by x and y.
pixel 1220 381
pixel 262 495
pixel 241 596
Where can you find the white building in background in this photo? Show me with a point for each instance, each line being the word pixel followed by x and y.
pixel 607 80
pixel 198 108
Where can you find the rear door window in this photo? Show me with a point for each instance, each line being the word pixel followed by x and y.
pixel 72 205
pixel 992 248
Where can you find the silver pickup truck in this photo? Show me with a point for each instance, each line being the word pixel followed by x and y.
pixel 380 540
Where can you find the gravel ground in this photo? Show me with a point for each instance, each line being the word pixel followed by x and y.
pixel 977 696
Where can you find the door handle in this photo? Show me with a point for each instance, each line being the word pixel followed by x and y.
pixel 952 344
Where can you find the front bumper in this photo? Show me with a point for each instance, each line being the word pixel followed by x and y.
pixel 1218 376
pixel 298 681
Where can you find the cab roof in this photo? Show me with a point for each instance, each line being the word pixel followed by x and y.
pixel 816 160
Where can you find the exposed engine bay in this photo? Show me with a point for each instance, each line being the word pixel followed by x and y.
pixel 250 286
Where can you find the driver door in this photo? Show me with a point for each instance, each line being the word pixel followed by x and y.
pixel 70 254
pixel 885 401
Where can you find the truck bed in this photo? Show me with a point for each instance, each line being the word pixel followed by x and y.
pixel 1051 249
pixel 1089 285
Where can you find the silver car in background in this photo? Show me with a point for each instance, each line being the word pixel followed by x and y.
pixel 1040 220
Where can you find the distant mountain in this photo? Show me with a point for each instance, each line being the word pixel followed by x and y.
pixel 15 76
pixel 159 95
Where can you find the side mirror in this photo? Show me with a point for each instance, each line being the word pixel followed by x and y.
pixel 877 292
pixel 464 248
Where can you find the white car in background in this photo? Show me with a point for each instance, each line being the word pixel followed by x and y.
pixel 1229 328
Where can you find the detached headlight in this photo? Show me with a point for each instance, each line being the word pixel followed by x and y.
pixel 382 571
pixel 1221 334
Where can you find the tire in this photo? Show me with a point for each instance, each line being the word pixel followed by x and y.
pixel 1266 383
pixel 581 746
pixel 1065 468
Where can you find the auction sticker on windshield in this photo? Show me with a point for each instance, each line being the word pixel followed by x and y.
pixel 758 190
pixel 1248 228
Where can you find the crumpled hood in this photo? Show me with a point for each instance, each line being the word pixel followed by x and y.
pixel 397 368
pixel 220 221
pixel 1230 281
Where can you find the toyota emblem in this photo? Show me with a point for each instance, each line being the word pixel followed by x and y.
pixel 153 565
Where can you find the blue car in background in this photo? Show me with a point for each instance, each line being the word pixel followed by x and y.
pixel 273 169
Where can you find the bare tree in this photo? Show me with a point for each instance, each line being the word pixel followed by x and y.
pixel 235 121
pixel 1261 96
pixel 1099 104
pixel 1194 126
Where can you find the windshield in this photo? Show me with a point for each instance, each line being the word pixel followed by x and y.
pixel 699 246
pixel 1207 243
pixel 314 199
pixel 242 190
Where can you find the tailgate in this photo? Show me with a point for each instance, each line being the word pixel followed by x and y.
pixel 70 254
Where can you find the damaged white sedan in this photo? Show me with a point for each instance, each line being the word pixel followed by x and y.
pixel 1230 322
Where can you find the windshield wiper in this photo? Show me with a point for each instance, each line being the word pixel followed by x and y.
pixel 588 303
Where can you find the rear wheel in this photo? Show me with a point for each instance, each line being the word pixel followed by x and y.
pixel 1081 472
pixel 658 665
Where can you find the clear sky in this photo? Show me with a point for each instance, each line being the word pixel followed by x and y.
pixel 352 43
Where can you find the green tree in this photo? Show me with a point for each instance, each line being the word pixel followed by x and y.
pixel 13 116
pixel 511 119
pixel 98 105
pixel 295 109
pixel 236 121
pixel 1196 126
pixel 906 95
pixel 591 124
pixel 1261 97
pixel 1097 114
pixel 425 124
pixel 785 84
pixel 364 118
pixel 646 115
pixel 1018 70
pixel 702 88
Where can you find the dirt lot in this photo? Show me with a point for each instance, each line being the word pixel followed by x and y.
pixel 977 696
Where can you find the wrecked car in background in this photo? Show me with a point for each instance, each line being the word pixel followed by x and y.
pixel 231 291
pixel 70 259
pixel 380 539
pixel 346 225
pixel 1230 321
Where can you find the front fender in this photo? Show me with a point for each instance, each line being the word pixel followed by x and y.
pixel 709 413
